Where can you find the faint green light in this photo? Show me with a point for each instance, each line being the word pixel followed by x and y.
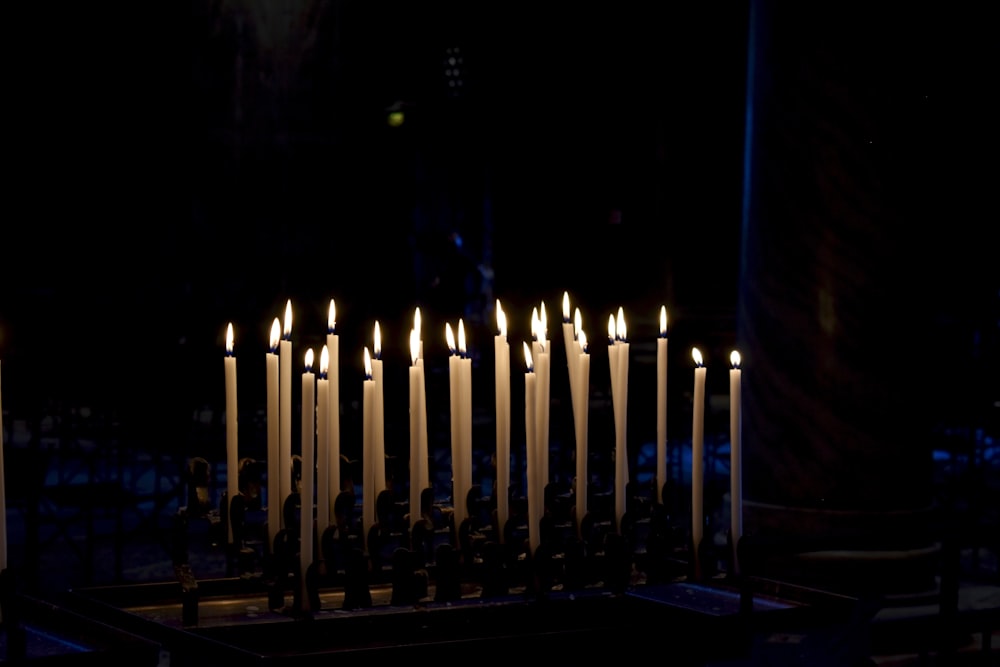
pixel 395 118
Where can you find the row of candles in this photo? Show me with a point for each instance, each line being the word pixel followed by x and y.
pixel 320 421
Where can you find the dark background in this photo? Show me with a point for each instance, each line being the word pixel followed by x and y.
pixel 598 150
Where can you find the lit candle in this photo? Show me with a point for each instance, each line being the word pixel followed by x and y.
pixel 465 427
pixel 661 406
pixel 736 454
pixel 333 398
pixel 501 366
pixel 424 478
pixel 285 412
pixel 698 457
pixel 323 442
pixel 572 351
pixel 307 489
pixel 232 439
pixel 368 444
pixel 542 370
pixel 3 505
pixel 582 401
pixel 620 401
pixel 379 456
pixel 455 413
pixel 417 424
pixel 273 474
pixel 531 457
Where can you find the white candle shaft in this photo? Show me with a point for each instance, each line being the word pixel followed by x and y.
pixel 531 461
pixel 379 456
pixel 285 421
pixel 367 464
pixel 698 460
pixel 333 417
pixel 572 357
pixel 581 414
pixel 307 490
pixel 322 454
pixel 455 415
pixel 661 417
pixel 542 370
pixel 502 486
pixel 736 459
pixel 273 474
pixel 232 453
pixel 424 460
pixel 465 395
pixel 415 461
pixel 620 406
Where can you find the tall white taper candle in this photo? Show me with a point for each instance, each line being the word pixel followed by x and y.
pixel 285 412
pixel 698 457
pixel 232 435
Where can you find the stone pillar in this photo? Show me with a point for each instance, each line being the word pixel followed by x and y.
pixel 837 456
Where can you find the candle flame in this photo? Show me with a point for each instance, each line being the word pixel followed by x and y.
pixel 696 355
pixel 577 324
pixel 565 306
pixel 378 341
pixel 324 361
pixel 275 334
pixel 368 364
pixel 449 337
pixel 735 359
pixel 309 360
pixel 288 319
pixel 331 320
pixel 461 337
pixel 416 321
pixel 620 324
pixel 229 339
pixel 527 358
pixel 663 320
pixel 611 329
pixel 583 341
pixel 414 346
pixel 501 320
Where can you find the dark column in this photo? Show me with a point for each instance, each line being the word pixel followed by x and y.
pixel 833 314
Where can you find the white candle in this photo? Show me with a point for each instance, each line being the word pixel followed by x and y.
pixel 368 444
pixel 543 365
pixel 501 369
pixel 323 443
pixel 285 412
pixel 307 489
pixel 661 407
pixel 424 460
pixel 531 457
pixel 455 414
pixel 3 504
pixel 379 456
pixel 698 456
pixel 620 401
pixel 465 392
pixel 232 436
pixel 417 424
pixel 273 474
pixel 582 401
pixel 333 398
pixel 572 351
pixel 736 454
